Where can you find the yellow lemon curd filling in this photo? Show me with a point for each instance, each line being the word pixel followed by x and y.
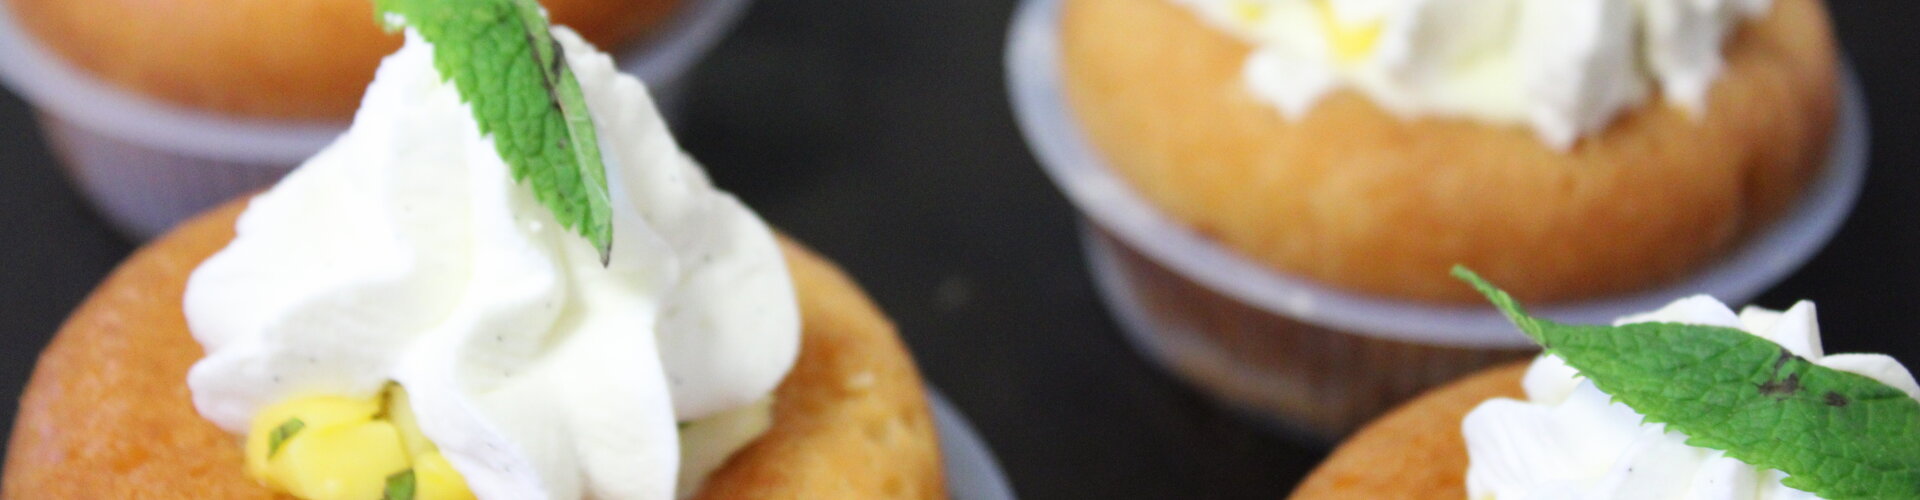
pixel 341 448
pixel 1349 41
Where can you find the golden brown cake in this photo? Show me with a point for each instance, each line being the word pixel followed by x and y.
pixel 1357 197
pixel 1415 452
pixel 308 59
pixel 108 414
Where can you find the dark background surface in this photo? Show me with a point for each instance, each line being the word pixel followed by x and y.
pixel 879 132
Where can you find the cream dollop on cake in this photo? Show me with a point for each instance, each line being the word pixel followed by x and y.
pixel 1565 68
pixel 1569 440
pixel 405 252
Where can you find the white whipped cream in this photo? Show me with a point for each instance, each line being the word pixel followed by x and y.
pixel 1570 441
pixel 1564 67
pixel 406 252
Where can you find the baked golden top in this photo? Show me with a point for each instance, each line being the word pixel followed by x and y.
pixel 1415 452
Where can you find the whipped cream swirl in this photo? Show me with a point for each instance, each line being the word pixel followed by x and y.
pixel 406 252
pixel 1571 441
pixel 1564 67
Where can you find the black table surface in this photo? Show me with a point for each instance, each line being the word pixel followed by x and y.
pixel 879 132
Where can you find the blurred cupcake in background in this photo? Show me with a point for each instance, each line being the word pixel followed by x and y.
pixel 162 109
pixel 1571 149
pixel 298 59
pixel 1329 160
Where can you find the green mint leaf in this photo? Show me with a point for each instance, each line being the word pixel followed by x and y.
pixel 1837 434
pixel 514 76
pixel 281 433
pixel 400 486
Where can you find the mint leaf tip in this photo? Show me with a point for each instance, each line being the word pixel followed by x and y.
pixel 1502 301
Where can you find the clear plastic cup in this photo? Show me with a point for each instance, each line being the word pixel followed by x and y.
pixel 146 164
pixel 1314 360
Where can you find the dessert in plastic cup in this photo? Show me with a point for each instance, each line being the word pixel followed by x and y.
pixel 298 59
pixel 1276 250
pixel 403 317
pixel 1546 430
pixel 151 147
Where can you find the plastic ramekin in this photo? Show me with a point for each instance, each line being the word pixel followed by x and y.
pixel 146 164
pixel 1317 361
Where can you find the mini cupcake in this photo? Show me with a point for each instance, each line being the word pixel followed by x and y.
pixel 1568 149
pixel 1549 430
pixel 1578 152
pixel 425 310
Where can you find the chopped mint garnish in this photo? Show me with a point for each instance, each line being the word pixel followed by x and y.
pixel 1840 435
pixel 400 486
pixel 280 434
pixel 514 76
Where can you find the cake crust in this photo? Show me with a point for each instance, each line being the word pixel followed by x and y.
pixel 298 59
pixel 107 413
pixel 1415 452
pixel 1354 196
